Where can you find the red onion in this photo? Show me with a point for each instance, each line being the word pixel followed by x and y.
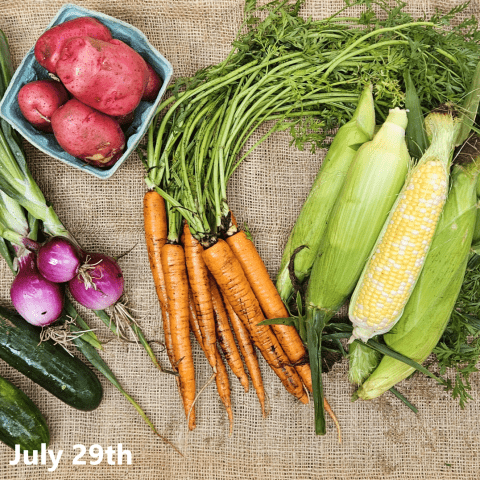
pixel 58 260
pixel 37 300
pixel 99 283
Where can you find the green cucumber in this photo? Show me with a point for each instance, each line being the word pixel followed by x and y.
pixel 21 422
pixel 47 364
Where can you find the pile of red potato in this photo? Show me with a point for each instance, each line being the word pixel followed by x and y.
pixel 102 81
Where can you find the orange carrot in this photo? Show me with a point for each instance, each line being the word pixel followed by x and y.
pixel 225 336
pixel 176 281
pixel 231 279
pixel 221 377
pixel 248 352
pixel 202 298
pixel 223 388
pixel 156 227
pixel 271 303
pixel 329 410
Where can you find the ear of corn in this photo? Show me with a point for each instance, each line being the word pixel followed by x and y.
pixel 372 184
pixel 313 217
pixel 429 308
pixel 399 254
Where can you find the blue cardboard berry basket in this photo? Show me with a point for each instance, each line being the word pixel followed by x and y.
pixel 30 70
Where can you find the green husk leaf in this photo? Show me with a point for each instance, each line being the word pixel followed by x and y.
pixel 470 108
pixel 404 400
pixel 382 348
pixel 417 140
pixel 362 361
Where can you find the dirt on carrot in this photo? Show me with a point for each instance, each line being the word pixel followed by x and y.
pixel 156 227
pixel 249 355
pixel 221 377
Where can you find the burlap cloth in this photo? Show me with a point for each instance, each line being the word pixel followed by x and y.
pixel 382 438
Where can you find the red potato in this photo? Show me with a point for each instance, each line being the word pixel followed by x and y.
pixel 108 76
pixel 50 44
pixel 88 134
pixel 153 85
pixel 125 120
pixel 38 101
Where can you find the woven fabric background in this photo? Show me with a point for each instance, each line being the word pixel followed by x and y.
pixel 382 438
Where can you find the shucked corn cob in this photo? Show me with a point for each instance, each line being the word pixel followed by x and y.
pixel 313 218
pixel 402 247
pixel 372 184
pixel 429 308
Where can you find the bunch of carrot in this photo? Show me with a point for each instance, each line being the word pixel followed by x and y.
pixel 209 277
pixel 221 294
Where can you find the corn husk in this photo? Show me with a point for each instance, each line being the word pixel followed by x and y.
pixel 476 233
pixel 312 220
pixel 362 361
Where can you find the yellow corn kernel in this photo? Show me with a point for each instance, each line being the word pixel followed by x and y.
pixel 400 254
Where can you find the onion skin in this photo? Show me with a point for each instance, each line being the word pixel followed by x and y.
pixel 108 279
pixel 37 300
pixel 58 260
